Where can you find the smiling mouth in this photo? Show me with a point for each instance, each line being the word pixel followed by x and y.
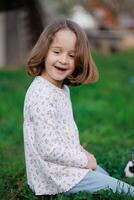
pixel 60 69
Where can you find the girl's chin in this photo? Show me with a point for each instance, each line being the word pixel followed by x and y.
pixel 60 77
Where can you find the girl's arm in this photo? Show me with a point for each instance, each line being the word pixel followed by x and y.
pixel 47 141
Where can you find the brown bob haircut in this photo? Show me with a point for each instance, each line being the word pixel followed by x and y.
pixel 85 69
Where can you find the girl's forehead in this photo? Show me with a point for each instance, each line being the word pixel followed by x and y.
pixel 65 39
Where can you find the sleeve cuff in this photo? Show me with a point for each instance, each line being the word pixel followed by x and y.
pixel 83 159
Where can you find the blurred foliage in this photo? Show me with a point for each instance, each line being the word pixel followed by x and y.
pixel 120 6
pixel 63 7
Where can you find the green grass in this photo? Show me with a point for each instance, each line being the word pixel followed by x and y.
pixel 104 115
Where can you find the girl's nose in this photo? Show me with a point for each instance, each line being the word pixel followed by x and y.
pixel 63 59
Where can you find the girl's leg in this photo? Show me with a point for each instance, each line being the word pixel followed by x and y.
pixel 101 170
pixel 95 181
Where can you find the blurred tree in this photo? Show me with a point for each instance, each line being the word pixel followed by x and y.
pixel 120 6
pixel 62 7
pixel 33 17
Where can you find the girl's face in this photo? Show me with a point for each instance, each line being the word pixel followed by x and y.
pixel 60 59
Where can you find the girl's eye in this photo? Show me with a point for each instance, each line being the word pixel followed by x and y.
pixel 72 56
pixel 56 52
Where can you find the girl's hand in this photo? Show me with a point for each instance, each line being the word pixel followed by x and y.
pixel 92 164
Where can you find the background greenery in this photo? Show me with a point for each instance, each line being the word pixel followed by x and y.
pixel 103 112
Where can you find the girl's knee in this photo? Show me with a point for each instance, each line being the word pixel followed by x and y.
pixel 101 170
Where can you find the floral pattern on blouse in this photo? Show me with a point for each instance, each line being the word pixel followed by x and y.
pixel 54 160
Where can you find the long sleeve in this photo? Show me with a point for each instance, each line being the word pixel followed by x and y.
pixel 48 143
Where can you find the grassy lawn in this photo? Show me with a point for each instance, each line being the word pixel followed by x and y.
pixel 104 115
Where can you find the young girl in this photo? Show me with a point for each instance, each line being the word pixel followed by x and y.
pixel 55 160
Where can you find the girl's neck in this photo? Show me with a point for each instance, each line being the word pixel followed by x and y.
pixel 58 84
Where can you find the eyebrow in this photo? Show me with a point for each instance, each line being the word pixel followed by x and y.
pixel 59 47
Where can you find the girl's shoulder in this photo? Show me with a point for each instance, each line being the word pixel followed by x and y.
pixel 36 89
pixel 41 88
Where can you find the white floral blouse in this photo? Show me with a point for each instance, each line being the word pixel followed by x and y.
pixel 54 160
